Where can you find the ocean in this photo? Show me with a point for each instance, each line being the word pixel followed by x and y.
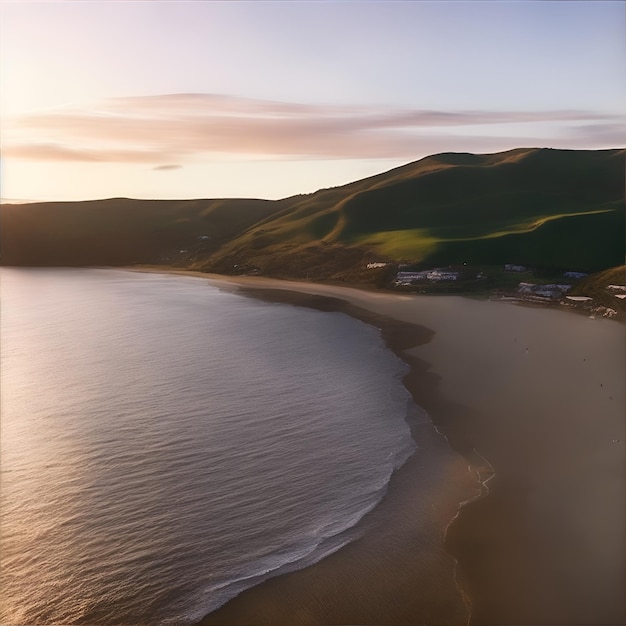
pixel 166 444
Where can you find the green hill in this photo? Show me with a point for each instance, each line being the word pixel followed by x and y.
pixel 533 207
pixel 562 209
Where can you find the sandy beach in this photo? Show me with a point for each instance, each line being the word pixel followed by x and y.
pixel 539 394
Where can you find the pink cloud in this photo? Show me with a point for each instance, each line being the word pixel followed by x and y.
pixel 177 127
pixel 56 152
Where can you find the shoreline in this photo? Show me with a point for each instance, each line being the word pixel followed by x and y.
pixel 523 555
pixel 308 587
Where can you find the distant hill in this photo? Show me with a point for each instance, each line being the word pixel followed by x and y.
pixel 121 231
pixel 562 209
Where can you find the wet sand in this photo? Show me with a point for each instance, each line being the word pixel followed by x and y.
pixel 537 392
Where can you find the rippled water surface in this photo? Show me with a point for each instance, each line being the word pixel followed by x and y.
pixel 166 444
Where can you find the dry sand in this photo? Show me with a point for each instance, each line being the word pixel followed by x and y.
pixel 537 392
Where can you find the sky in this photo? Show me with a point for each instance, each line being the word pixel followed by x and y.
pixel 207 99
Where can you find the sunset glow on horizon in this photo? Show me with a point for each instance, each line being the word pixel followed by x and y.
pixel 237 99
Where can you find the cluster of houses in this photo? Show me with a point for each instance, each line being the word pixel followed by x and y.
pixel 433 275
pixel 556 292
pixel 525 290
pixel 539 291
pixel 510 267
pixel 552 292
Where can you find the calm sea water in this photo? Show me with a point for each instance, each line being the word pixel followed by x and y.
pixel 166 444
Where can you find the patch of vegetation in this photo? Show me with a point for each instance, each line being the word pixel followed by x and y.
pixel 415 244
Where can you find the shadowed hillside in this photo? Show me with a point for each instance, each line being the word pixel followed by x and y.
pixel 121 231
pixel 536 207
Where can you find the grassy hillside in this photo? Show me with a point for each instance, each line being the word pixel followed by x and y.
pixel 537 207
pixel 529 206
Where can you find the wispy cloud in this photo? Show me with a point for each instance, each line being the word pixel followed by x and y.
pixel 59 152
pixel 604 132
pixel 166 168
pixel 189 127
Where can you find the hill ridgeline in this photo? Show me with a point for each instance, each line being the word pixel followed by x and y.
pixel 562 209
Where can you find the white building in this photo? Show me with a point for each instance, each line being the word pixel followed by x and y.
pixel 407 278
pixel 438 275
pixel 546 291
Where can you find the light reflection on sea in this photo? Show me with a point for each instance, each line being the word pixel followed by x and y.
pixel 165 444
